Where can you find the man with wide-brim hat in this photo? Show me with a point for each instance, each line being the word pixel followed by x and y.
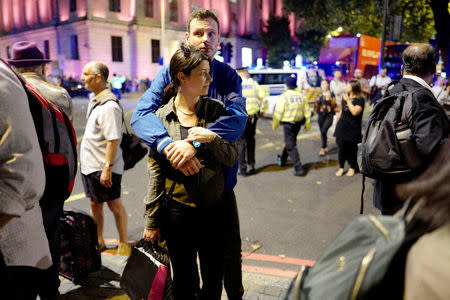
pixel 29 61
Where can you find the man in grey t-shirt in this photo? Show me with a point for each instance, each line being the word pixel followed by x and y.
pixel 100 154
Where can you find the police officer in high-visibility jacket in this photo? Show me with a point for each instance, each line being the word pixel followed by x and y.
pixel 292 110
pixel 256 105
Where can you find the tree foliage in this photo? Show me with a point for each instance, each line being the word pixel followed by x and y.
pixel 360 16
pixel 278 41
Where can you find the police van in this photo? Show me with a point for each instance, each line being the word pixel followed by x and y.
pixel 273 82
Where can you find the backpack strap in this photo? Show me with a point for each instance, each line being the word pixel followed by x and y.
pixel 361 210
pixel 102 103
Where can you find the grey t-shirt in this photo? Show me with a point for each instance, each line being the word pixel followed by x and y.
pixel 104 124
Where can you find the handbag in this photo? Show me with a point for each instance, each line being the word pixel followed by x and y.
pixel 147 273
pixel 133 149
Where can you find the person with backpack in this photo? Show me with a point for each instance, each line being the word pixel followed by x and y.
pixel 29 62
pixel 101 159
pixel 422 114
pixel 348 127
pixel 25 257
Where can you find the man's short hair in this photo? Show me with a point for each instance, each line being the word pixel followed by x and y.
pixel 102 69
pixel 201 14
pixel 26 69
pixel 419 59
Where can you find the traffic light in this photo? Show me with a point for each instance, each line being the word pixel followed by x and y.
pixel 221 49
pixel 228 53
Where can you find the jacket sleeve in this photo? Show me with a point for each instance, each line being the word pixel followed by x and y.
pixel 232 124
pixel 225 152
pixel 427 123
pixel 144 121
pixel 155 192
pixel 278 112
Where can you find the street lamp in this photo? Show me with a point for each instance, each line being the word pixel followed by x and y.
pixel 383 32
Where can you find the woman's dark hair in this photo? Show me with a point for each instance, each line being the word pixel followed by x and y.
pixel 184 60
pixel 433 186
pixel 356 88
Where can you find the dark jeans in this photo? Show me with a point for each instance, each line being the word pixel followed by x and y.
pixel 246 144
pixel 20 282
pixel 189 231
pixel 325 122
pixel 348 151
pixel 290 143
pixel 232 272
pixel 51 216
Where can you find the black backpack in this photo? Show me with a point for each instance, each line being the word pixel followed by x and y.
pixel 387 150
pixel 57 140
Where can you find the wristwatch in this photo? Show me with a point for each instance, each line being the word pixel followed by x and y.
pixel 107 164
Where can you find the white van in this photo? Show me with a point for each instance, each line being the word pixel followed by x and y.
pixel 273 81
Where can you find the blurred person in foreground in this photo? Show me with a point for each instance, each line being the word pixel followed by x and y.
pixel 256 105
pixel 427 119
pixel 428 261
pixel 187 210
pixel 101 159
pixel 325 106
pixel 292 111
pixel 25 258
pixel 203 32
pixel 29 61
pixel 348 128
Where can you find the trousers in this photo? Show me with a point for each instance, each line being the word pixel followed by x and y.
pixel 291 131
pixel 246 144
pixel 325 122
pixel 348 151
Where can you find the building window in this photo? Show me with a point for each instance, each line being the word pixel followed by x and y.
pixel 173 9
pixel 73 5
pixel 8 52
pixel 149 8
pixel 114 5
pixel 74 54
pixel 116 42
pixel 47 49
pixel 155 51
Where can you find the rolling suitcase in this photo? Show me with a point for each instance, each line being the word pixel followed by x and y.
pixel 80 253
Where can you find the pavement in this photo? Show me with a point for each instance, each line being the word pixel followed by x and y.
pixel 269 282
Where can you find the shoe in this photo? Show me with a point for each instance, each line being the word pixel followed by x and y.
pixel 340 172
pixel 300 172
pixel 322 152
pixel 280 161
pixel 124 249
pixel 350 172
pixel 242 172
pixel 251 171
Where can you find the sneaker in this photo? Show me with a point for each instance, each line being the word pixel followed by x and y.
pixel 280 161
pixel 124 249
pixel 300 172
pixel 242 172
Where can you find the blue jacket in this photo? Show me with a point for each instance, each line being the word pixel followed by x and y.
pixel 226 86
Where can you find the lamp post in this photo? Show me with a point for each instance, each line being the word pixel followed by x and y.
pixel 383 32
pixel 163 28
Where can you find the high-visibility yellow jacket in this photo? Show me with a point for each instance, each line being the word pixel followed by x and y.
pixel 256 97
pixel 291 107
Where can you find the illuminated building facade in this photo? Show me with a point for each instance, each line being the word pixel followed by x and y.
pixel 127 34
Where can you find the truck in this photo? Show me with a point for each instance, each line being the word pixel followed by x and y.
pixel 348 53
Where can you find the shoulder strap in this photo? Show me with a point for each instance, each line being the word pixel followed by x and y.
pixel 121 108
